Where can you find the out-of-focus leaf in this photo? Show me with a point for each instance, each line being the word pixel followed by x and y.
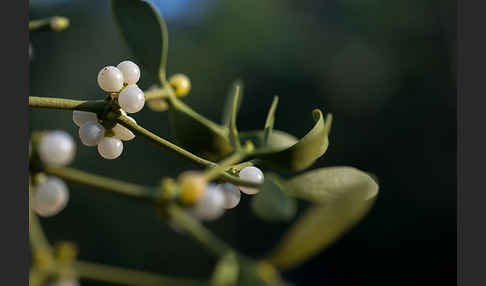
pixel 228 104
pixel 196 133
pixel 305 152
pixel 343 196
pixel 277 140
pixel 270 121
pixel 226 271
pixel 273 203
pixel 233 131
pixel 143 28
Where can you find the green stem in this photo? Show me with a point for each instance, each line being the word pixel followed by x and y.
pixel 158 93
pixel 96 106
pixel 118 275
pixel 38 24
pixel 215 172
pixel 101 106
pixel 112 185
pixel 38 240
pixel 198 231
pixel 123 120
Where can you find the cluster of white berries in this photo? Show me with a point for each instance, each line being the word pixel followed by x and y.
pixel 131 99
pixel 50 196
pixel 218 198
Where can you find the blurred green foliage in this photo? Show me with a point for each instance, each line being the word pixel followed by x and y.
pixel 385 69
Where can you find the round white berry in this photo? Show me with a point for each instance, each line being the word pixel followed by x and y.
pixel 210 205
pixel 130 71
pixel 91 133
pixel 50 197
pixel 232 195
pixel 82 117
pixel 131 99
pixel 123 133
pixel 110 79
pixel 252 174
pixel 110 147
pixel 57 148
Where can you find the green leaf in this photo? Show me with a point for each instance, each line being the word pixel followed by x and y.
pixel 196 133
pixel 273 203
pixel 270 121
pixel 226 271
pixel 277 140
pixel 305 152
pixel 145 32
pixel 233 131
pixel 343 196
pixel 228 104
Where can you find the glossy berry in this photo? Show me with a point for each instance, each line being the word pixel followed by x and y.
pixel 232 195
pixel 211 204
pixel 91 133
pixel 50 197
pixel 181 84
pixel 110 79
pixel 110 147
pixel 82 117
pixel 130 71
pixel 57 148
pixel 131 99
pixel 252 174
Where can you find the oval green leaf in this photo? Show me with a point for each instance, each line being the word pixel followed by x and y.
pixel 343 196
pixel 305 152
pixel 196 133
pixel 145 32
pixel 273 203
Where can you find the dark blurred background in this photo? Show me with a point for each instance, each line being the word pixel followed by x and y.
pixel 385 69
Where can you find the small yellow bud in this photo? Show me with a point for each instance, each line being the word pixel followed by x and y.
pixel 191 186
pixel 59 23
pixel 181 84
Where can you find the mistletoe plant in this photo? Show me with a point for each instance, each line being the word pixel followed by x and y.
pixel 227 159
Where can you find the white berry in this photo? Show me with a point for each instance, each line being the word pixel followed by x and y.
pixel 57 148
pixel 91 133
pixel 50 197
pixel 82 117
pixel 110 79
pixel 232 195
pixel 252 174
pixel 130 71
pixel 110 147
pixel 123 133
pixel 131 99
pixel 210 205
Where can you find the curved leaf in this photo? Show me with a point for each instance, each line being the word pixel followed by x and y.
pixel 273 203
pixel 144 30
pixel 344 195
pixel 277 140
pixel 196 133
pixel 305 152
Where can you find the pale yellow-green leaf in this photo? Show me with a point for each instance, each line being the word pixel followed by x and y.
pixel 343 196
